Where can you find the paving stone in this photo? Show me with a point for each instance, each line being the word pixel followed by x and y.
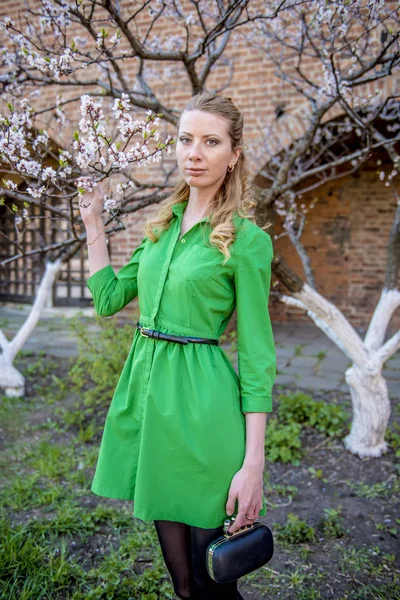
pixel 319 383
pixel 394 361
pixel 335 362
pixel 343 387
pixel 304 337
pixel 393 388
pixel 54 336
pixel 389 374
pixel 285 379
pixel 286 351
pixel 303 361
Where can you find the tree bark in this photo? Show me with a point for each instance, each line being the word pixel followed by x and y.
pixel 371 412
pixel 368 389
pixel 11 379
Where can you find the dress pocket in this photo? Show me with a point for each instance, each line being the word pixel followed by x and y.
pixel 201 262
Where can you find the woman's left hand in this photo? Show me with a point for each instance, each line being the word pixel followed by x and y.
pixel 247 487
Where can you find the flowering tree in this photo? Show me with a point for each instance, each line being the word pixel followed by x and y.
pixel 25 150
pixel 337 58
pixel 60 49
pixel 341 59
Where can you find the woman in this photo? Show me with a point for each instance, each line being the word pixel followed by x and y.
pixel 184 435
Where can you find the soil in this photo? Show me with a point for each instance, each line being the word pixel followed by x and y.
pixel 362 564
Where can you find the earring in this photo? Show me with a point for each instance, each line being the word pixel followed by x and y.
pixel 230 168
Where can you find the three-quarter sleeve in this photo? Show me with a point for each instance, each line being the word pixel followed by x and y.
pixel 110 291
pixel 256 348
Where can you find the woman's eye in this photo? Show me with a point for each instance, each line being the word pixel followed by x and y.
pixel 213 142
pixel 184 139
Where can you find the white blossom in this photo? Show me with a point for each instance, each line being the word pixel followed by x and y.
pixel 48 173
pixel 110 203
pixel 190 20
pixel 36 192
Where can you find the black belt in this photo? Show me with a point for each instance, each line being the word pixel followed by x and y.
pixel 180 339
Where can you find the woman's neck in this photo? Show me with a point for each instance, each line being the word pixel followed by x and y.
pixel 199 203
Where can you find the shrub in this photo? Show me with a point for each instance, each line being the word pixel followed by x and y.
pixel 101 356
pixel 331 523
pixel 294 531
pixel 302 408
pixel 282 442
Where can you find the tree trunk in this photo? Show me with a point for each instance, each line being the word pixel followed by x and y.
pixel 369 393
pixel 11 379
pixel 371 412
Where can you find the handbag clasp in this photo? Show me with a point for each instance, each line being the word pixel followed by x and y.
pixel 228 523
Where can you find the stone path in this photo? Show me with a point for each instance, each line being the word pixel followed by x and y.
pixel 305 356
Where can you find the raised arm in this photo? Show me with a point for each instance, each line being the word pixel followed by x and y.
pixel 110 292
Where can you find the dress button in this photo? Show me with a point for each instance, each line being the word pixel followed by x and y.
pixel 183 240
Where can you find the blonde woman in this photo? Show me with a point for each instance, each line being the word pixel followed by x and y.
pixel 184 435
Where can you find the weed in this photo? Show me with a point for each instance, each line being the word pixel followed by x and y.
pixel 28 492
pixel 282 442
pixel 33 566
pixel 295 531
pixel 393 438
pixel 317 474
pixel 302 408
pixel 86 434
pixel 372 591
pixel 295 411
pixel 376 490
pixel 283 490
pixel 331 525
pixel 388 528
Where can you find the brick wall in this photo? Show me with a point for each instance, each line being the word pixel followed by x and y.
pixel 346 238
pixel 348 229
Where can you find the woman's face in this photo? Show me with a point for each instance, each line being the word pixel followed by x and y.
pixel 203 149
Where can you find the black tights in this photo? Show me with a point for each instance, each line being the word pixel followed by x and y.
pixel 184 551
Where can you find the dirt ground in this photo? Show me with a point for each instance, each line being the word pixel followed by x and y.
pixel 342 543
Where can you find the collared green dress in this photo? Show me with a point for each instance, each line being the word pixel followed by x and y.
pixel 175 433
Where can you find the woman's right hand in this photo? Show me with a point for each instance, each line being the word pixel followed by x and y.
pixel 91 205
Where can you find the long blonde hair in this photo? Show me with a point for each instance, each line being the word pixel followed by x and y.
pixel 234 195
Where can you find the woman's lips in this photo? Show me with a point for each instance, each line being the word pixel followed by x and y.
pixel 195 171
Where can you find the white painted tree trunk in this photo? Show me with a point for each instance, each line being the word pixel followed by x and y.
pixel 11 380
pixel 368 389
pixel 371 412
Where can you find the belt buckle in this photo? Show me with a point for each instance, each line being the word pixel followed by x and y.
pixel 141 332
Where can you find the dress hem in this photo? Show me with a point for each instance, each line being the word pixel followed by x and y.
pixel 161 515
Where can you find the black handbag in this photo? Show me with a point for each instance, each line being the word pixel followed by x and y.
pixel 233 555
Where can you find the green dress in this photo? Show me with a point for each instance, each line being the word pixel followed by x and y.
pixel 175 433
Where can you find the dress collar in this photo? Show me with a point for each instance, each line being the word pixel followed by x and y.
pixel 179 207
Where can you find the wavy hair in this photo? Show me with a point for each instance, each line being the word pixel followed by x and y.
pixel 233 196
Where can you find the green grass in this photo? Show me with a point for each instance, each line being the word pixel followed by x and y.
pixel 36 564
pixel 58 541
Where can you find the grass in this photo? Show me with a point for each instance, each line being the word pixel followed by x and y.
pixel 58 541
